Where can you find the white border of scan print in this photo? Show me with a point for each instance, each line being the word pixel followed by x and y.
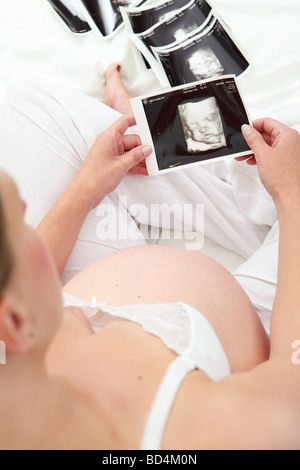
pixel 146 137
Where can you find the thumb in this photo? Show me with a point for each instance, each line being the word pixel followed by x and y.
pixel 136 156
pixel 254 139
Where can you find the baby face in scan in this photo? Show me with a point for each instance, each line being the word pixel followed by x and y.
pixel 205 64
pixel 202 125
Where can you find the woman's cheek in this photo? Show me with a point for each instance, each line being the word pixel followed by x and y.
pixel 42 286
pixel 41 263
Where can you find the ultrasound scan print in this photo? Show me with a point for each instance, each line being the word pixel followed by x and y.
pixel 177 28
pixel 70 14
pixel 209 54
pixel 205 64
pixel 203 134
pixel 106 13
pixel 192 124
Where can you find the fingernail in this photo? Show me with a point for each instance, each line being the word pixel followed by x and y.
pixel 247 130
pixel 147 151
pixel 119 68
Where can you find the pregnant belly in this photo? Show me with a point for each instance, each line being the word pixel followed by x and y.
pixel 151 275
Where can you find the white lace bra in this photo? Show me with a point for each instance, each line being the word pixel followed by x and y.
pixel 183 330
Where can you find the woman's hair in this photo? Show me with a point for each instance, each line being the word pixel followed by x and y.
pixel 5 252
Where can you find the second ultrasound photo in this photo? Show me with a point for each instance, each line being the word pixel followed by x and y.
pixel 211 53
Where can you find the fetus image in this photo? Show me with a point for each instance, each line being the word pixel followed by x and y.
pixel 202 125
pixel 183 32
pixel 205 64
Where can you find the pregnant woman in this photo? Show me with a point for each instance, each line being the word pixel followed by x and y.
pixel 157 347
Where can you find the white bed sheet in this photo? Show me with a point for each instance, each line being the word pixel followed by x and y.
pixel 34 42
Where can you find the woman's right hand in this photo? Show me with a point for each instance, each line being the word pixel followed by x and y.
pixel 276 150
pixel 113 155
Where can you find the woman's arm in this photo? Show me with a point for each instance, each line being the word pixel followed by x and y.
pixel 260 409
pixel 277 154
pixel 112 156
pixel 285 322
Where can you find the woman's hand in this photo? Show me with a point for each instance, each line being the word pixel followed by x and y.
pixel 113 155
pixel 102 171
pixel 276 150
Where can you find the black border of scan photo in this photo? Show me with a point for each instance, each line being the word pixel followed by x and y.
pixel 104 16
pixel 225 53
pixel 191 125
pixel 71 16
pixel 139 20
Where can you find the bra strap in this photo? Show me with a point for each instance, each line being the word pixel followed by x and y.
pixel 164 400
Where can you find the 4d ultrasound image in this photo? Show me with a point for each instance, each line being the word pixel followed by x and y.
pixel 205 64
pixel 209 54
pixel 207 133
pixel 194 123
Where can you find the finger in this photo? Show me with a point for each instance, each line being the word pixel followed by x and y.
pixel 267 138
pixel 242 159
pixel 267 125
pixel 123 124
pixel 252 161
pixel 136 156
pixel 143 163
pixel 254 139
pixel 131 141
pixel 139 170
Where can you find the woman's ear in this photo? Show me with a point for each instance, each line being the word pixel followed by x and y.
pixel 15 331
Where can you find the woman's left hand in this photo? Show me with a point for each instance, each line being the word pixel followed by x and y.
pixel 112 156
